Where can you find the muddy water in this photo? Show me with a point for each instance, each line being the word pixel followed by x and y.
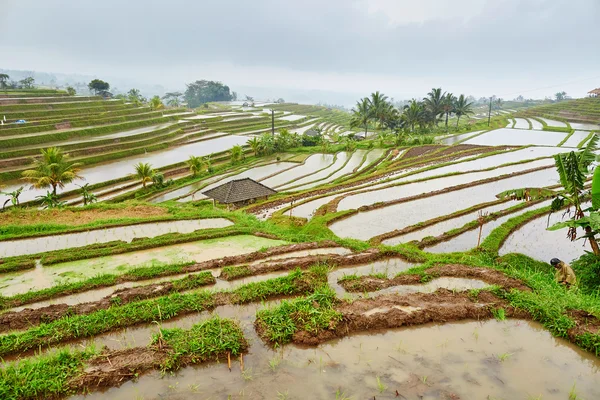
pixel 518 137
pixel 413 189
pixel 365 225
pixel 311 164
pixel 12 248
pixel 468 240
pixel 390 267
pixel 444 226
pixel 123 167
pixel 44 277
pixel 427 362
pixel 521 123
pixel 319 177
pixel 576 138
pixel 533 240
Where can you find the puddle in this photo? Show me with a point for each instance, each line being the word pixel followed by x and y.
pixel 533 240
pixel 319 177
pixel 417 188
pixel 515 137
pixel 576 138
pixel 44 277
pixel 123 167
pixel 468 240
pixel 311 164
pixel 521 123
pixel 13 248
pixel 425 362
pixel 551 122
pixel 444 226
pixel 365 225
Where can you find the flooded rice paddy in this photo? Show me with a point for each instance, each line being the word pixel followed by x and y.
pixel 10 248
pixel 311 164
pixel 551 122
pixel 43 277
pixel 365 225
pixel 318 177
pixel 511 359
pixel 585 126
pixel 518 138
pixel 576 138
pixel 454 139
pixel 535 241
pixel 521 123
pixel 535 124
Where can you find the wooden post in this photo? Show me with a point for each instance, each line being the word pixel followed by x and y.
pixel 273 122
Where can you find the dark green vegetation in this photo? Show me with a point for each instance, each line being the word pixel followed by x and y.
pixel 578 110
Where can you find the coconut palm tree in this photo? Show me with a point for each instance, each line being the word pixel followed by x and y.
pixel 362 114
pixel 462 107
pixel 88 197
pixel 380 107
pixel 155 103
pixel 14 197
pixel 144 172
pixel 195 164
pixel 53 169
pixel 434 103
pixel 413 114
pixel 254 144
pixel 448 106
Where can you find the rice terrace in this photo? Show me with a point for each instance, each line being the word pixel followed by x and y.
pixel 203 244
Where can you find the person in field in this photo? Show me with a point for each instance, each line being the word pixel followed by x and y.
pixel 564 273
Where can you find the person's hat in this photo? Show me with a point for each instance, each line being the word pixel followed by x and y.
pixel 555 262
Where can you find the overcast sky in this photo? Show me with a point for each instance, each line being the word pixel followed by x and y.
pixel 401 47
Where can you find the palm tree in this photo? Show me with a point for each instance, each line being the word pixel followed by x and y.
pixel 413 114
pixel 14 197
pixel 434 103
pixel 254 144
pixel 3 80
pixel 380 107
pixel 362 114
pixel 144 172
pixel 448 106
pixel 53 169
pixel 88 197
pixel 462 107
pixel 155 103
pixel 195 163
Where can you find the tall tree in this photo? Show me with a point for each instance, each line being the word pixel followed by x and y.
pixel 3 79
pixel 135 96
pixel 27 83
pixel 200 92
pixel 434 103
pixel 99 87
pixel 413 114
pixel 173 99
pixel 53 169
pixel 144 172
pixel 380 107
pixel 448 106
pixel 462 107
pixel 71 91
pixel 362 114
pixel 560 96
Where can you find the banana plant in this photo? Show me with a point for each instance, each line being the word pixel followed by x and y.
pixel 14 197
pixel 573 170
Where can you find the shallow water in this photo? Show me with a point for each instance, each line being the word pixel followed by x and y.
pixel 355 161
pixel 292 117
pixel 551 122
pixel 535 124
pixel 585 126
pixel 521 123
pixel 426 362
pixel 11 248
pixel 576 138
pixel 444 226
pixel 320 177
pixel 515 137
pixel 468 239
pixel 43 277
pixel 311 164
pixel 417 188
pixel 365 225
pixel 123 167
pixel 458 138
pixel 533 240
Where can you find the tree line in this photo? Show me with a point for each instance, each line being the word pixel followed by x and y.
pixel 425 115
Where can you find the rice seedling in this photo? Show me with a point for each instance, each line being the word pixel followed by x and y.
pixel 380 385
pixel 274 362
pixel 504 356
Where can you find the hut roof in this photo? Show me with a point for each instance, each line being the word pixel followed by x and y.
pixel 595 91
pixel 239 190
pixel 312 132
